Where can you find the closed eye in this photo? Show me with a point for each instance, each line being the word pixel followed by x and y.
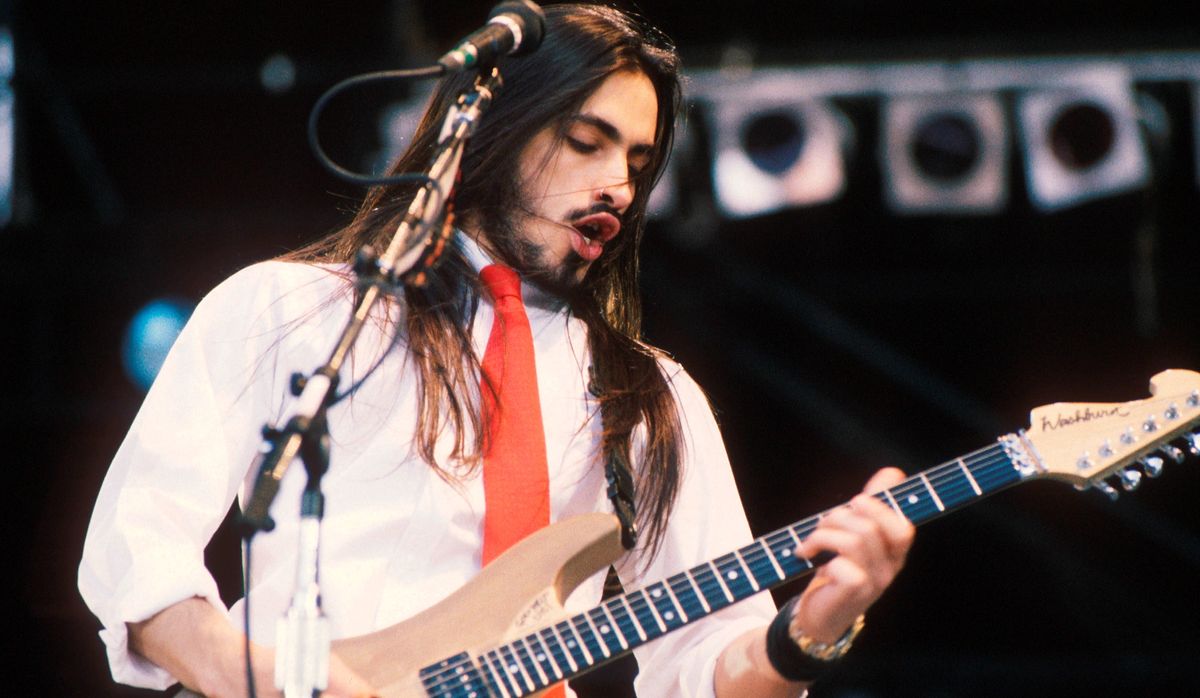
pixel 580 146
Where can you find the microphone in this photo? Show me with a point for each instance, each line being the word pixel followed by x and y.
pixel 514 27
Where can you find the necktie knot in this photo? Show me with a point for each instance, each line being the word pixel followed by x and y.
pixel 501 282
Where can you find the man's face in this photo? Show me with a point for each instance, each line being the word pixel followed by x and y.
pixel 576 190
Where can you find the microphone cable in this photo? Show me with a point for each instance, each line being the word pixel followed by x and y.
pixel 314 141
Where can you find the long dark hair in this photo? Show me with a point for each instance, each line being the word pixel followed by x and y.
pixel 584 45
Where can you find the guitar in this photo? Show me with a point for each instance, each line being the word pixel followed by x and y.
pixel 505 633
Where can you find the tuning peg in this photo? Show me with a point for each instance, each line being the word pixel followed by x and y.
pixel 1151 424
pixel 1172 412
pixel 1107 489
pixel 1193 441
pixel 1175 454
pixel 1127 437
pixel 1194 399
pixel 1106 449
pixel 1153 465
pixel 1130 479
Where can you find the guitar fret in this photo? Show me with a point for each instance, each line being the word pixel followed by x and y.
pixel 749 575
pixel 771 556
pixel 563 643
pixel 494 680
pixel 658 619
pixel 513 664
pixel 608 630
pixel 505 681
pixel 666 606
pixel 577 643
pixel 952 485
pixel 762 564
pixel 628 611
pixel 544 659
pixel 526 655
pixel 601 643
pixel 553 647
pixel 622 638
pixel 694 587
pixel 736 579
pixel 936 500
pixel 645 613
pixel 716 573
pixel 683 615
pixel 457 675
pixel 970 478
pixel 892 501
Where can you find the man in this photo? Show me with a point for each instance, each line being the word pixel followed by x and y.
pixel 554 186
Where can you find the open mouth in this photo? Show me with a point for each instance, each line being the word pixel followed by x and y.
pixel 600 227
pixel 593 231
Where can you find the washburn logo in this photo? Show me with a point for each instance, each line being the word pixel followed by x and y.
pixel 1085 414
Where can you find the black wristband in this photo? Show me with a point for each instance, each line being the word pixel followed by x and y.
pixel 785 655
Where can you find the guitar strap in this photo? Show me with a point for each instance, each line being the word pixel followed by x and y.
pixel 617 472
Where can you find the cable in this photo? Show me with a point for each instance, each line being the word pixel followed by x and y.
pixel 246 616
pixel 315 115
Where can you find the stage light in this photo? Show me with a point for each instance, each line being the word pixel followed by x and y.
pixel 277 74
pixel 1081 140
pixel 7 125
pixel 774 153
pixel 1196 128
pixel 945 154
pixel 149 337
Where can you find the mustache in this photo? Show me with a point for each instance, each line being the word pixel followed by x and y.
pixel 599 207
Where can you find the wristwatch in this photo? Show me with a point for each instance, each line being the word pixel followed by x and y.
pixel 826 651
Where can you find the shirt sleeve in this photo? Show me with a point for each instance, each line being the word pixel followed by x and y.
pixel 182 463
pixel 707 521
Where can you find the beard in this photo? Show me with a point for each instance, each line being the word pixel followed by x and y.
pixel 560 279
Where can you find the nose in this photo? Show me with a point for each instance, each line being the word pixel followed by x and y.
pixel 616 190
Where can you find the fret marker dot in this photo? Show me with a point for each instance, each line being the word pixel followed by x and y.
pixel 731 574
pixel 656 593
pixel 669 615
pixel 512 668
pixel 785 552
pixel 459 670
pixel 541 657
pixel 603 629
pixel 571 644
pixel 913 499
pixel 464 679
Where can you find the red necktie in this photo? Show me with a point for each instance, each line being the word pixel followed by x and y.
pixel 516 486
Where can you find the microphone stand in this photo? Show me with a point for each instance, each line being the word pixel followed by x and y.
pixel 303 636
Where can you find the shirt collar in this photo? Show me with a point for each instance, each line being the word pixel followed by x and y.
pixel 532 296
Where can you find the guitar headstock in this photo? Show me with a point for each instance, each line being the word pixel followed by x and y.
pixel 1085 443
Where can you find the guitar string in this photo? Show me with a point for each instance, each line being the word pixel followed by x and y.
pixel 950 482
pixel 752 557
pixel 940 477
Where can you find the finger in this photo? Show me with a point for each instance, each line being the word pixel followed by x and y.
pixel 883 479
pixel 897 531
pixel 865 550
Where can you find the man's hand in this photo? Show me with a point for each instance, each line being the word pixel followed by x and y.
pixel 870 541
pixel 198 646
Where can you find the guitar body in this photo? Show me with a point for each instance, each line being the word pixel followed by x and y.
pixel 520 591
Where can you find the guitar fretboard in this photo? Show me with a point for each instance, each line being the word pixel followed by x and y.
pixel 622 623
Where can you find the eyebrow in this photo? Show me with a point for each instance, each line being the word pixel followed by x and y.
pixel 611 132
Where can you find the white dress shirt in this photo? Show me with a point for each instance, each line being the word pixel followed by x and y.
pixel 396 537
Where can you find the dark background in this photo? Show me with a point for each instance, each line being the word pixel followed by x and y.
pixel 833 340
